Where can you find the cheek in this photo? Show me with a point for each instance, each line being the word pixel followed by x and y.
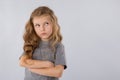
pixel 37 31
pixel 50 31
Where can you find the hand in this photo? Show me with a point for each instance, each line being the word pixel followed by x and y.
pixel 24 57
pixel 50 64
pixel 29 61
pixel 24 60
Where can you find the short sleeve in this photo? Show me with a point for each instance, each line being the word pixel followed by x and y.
pixel 60 58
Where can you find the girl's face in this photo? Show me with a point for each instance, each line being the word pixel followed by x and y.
pixel 43 27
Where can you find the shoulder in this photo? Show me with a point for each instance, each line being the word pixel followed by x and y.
pixel 59 45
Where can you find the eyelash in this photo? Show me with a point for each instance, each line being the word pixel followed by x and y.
pixel 46 23
pixel 37 25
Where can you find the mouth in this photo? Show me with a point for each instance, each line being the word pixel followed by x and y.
pixel 43 33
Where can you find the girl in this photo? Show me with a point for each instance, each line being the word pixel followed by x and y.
pixel 44 56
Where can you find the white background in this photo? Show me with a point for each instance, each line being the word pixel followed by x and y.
pixel 91 32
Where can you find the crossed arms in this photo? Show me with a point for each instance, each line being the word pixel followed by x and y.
pixel 46 68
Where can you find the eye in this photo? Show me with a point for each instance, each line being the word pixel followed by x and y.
pixel 46 23
pixel 37 25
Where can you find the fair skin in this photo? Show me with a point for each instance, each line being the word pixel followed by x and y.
pixel 43 28
pixel 28 63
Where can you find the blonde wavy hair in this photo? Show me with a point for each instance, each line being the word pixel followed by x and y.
pixel 31 39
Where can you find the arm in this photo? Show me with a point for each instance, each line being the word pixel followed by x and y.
pixel 29 63
pixel 52 71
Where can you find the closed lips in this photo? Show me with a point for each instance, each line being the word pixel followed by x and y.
pixel 43 33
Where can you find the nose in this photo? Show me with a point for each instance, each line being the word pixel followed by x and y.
pixel 42 28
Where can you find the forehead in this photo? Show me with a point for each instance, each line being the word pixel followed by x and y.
pixel 41 19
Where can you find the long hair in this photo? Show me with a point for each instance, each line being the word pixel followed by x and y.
pixel 31 39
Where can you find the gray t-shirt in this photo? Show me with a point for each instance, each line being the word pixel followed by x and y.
pixel 44 52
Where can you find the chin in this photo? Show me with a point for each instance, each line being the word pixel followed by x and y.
pixel 44 38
